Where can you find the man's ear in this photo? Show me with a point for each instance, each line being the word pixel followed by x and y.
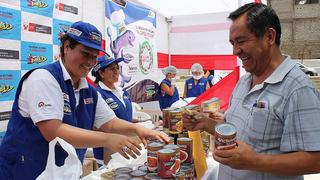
pixel 271 36
pixel 66 45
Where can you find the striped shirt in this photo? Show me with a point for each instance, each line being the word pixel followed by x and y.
pixel 278 116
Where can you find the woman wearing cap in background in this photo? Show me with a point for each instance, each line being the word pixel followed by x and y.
pixel 197 84
pixel 168 93
pixel 107 74
pixel 55 100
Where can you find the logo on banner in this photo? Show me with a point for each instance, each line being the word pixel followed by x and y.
pixel 36 59
pixel 37 3
pixel 9 54
pixel 33 27
pixel 145 57
pixel 66 8
pixel 5 88
pixel 4 26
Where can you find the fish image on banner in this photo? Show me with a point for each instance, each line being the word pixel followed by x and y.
pixel 9 80
pixel 41 7
pixel 10 21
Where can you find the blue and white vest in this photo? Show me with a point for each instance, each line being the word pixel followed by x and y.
pixel 24 151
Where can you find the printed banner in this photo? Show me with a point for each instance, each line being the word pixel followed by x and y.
pixel 8 84
pixel 35 54
pixel 41 7
pixel 130 34
pixel 67 10
pixel 59 28
pixel 10 21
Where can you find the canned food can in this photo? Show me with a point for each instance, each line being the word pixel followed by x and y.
pixel 167 163
pixel 188 170
pixel 143 168
pixel 179 176
pixel 152 176
pixel 166 116
pixel 138 173
pixel 174 147
pixel 123 170
pixel 225 136
pixel 185 145
pixel 122 177
pixel 193 107
pixel 211 105
pixel 152 155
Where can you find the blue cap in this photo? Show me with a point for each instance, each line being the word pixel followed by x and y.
pixel 86 34
pixel 104 62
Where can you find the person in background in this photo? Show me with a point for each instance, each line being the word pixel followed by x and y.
pixel 274 106
pixel 55 100
pixel 106 72
pixel 168 92
pixel 197 84
pixel 212 78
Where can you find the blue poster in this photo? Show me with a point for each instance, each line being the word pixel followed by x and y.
pixel 59 27
pixel 132 12
pixel 10 23
pixel 42 7
pixel 9 80
pixel 35 55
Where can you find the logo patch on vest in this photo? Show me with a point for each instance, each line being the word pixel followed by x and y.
pixel 65 97
pixel 88 101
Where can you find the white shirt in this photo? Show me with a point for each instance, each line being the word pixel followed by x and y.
pixel 42 88
pixel 118 92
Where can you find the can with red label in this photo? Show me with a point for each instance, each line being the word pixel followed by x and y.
pixel 225 136
pixel 152 155
pixel 167 163
pixel 185 145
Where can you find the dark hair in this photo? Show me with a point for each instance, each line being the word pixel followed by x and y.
pixel 98 77
pixel 63 39
pixel 260 17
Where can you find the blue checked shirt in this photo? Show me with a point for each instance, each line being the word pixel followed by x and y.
pixel 278 116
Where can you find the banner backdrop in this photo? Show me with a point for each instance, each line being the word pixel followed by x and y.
pixel 29 32
pixel 130 33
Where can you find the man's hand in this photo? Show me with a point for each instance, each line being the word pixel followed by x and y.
pixel 241 157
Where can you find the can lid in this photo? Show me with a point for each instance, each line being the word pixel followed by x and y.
pixel 138 173
pixel 166 151
pixel 184 139
pixel 226 129
pixel 171 146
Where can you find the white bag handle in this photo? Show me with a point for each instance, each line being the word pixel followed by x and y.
pixel 72 168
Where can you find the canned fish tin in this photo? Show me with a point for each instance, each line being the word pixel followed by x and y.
pixel 211 105
pixel 152 176
pixel 138 173
pixel 167 166
pixel 188 170
pixel 225 136
pixel 179 176
pixel 185 145
pixel 143 168
pixel 122 177
pixel 123 170
pixel 166 116
pixel 193 107
pixel 176 148
pixel 152 155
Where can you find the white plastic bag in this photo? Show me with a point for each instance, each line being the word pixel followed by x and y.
pixel 72 168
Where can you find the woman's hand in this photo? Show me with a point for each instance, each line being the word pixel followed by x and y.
pixel 124 145
pixel 145 134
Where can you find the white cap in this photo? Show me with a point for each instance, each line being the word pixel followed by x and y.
pixel 196 67
pixel 169 69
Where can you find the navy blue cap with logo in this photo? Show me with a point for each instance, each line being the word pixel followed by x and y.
pixel 103 62
pixel 86 34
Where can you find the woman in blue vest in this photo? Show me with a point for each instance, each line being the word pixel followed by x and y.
pixel 55 100
pixel 107 74
pixel 167 92
pixel 197 84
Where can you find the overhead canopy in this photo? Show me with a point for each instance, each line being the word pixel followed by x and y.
pixel 170 8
